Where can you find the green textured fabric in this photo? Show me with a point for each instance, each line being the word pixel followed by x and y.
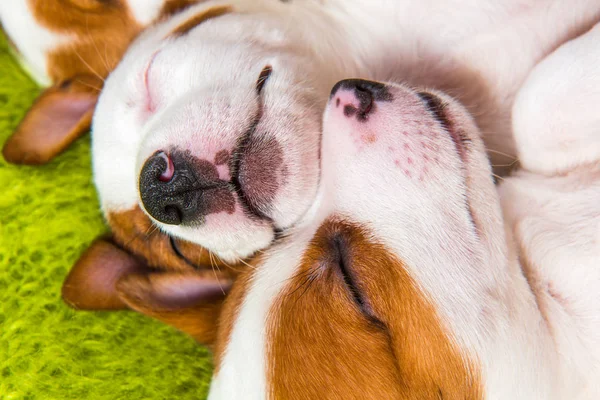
pixel 48 215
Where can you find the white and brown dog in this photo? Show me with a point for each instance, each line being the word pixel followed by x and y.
pixel 411 277
pixel 210 127
pixel 70 46
pixel 212 122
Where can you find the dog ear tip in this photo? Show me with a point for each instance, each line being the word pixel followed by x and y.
pixel 14 152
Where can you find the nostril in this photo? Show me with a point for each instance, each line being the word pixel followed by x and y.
pixel 169 170
pixel 173 215
pixel 365 98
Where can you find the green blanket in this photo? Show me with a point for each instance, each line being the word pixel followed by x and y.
pixel 48 215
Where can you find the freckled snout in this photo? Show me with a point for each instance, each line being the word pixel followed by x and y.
pixel 178 189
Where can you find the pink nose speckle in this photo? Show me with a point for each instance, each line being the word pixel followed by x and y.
pixel 168 173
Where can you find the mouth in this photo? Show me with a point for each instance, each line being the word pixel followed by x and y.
pixel 250 209
pixel 437 108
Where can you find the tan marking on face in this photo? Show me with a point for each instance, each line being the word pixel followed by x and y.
pixel 134 231
pixel 196 20
pixel 322 346
pixel 102 30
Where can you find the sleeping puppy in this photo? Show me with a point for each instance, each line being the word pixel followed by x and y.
pixel 70 46
pixel 429 283
pixel 404 282
pixel 206 141
pixel 209 129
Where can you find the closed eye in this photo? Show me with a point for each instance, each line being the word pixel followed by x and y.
pixel 342 261
pixel 179 254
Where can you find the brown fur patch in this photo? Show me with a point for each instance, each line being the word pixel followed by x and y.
pixel 323 346
pixel 103 29
pixel 194 314
pixel 172 7
pixel 134 231
pixel 196 20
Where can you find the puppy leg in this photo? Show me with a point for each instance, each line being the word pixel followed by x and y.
pixel 556 122
pixel 552 207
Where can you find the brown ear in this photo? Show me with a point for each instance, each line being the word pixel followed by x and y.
pixel 189 302
pixel 92 282
pixel 60 115
pixel 108 278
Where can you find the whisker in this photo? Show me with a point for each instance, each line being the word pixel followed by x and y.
pixel 212 264
pixel 231 267
pixel 500 153
pixel 88 65
pixel 506 165
pixel 498 177
pixel 248 265
pixel 87 27
pixel 90 86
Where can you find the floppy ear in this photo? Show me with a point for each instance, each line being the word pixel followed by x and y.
pixel 92 282
pixel 60 115
pixel 108 278
pixel 189 302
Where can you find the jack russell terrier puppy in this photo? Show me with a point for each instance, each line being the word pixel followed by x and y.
pixel 403 281
pixel 268 60
pixel 412 276
pixel 70 46
pixel 207 135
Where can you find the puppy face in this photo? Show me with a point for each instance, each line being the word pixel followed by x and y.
pixel 361 289
pixel 70 46
pixel 210 126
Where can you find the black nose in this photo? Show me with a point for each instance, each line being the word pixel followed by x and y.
pixel 366 91
pixel 179 189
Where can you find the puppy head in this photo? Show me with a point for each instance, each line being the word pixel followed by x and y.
pixel 211 127
pixel 359 296
pixel 70 46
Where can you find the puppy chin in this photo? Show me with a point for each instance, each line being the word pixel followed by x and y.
pixel 231 241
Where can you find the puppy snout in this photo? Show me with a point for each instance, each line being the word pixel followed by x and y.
pixel 179 189
pixel 363 95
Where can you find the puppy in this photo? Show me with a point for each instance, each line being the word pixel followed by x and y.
pixel 211 125
pixel 412 276
pixel 403 280
pixel 206 138
pixel 69 46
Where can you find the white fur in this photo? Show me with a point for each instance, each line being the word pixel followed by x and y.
pixel 311 45
pixel 242 373
pixel 555 135
pixel 145 11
